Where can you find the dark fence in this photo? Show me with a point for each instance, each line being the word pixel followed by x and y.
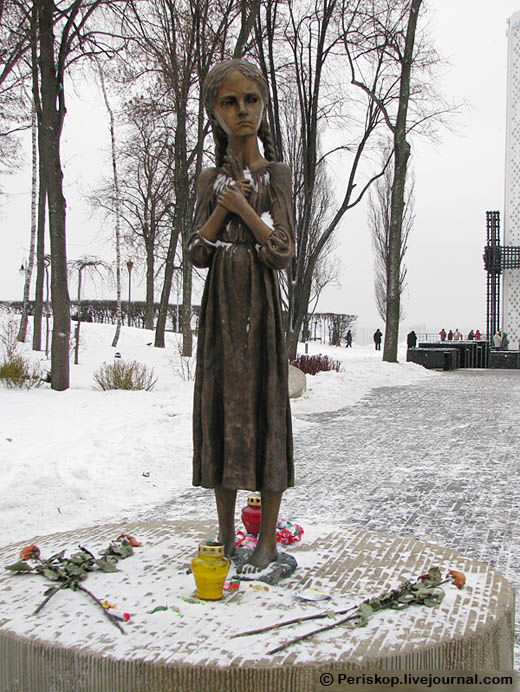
pixel 509 360
pixel 434 358
pixel 472 354
pixel 105 312
pixel 326 326
pixel 448 355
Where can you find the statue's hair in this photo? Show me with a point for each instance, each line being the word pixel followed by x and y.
pixel 212 83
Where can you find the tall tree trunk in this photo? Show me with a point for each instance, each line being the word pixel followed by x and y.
pixel 187 337
pixel 165 293
pixel 41 269
pixel 401 156
pixel 78 324
pixel 22 332
pixel 150 269
pixel 181 222
pixel 40 262
pixel 51 91
pixel 119 317
pixel 300 307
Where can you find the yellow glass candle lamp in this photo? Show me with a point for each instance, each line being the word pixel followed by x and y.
pixel 210 569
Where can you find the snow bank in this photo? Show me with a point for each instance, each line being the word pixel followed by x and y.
pixel 75 458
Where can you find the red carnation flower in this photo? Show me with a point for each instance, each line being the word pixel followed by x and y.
pixel 133 541
pixel 30 552
pixel 458 578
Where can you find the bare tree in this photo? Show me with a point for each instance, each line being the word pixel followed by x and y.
pixel 61 34
pixel 401 156
pixel 379 218
pixel 143 198
pixel 22 332
pixel 392 63
pixel 15 105
pixel 15 39
pixel 181 39
pixel 319 210
pixel 299 49
pixel 117 199
pixel 43 261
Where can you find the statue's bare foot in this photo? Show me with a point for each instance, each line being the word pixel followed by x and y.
pixel 259 560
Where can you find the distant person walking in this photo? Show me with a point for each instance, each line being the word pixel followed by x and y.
pixel 450 335
pixel 497 340
pixel 411 339
pixel 505 342
pixel 349 339
pixel 378 335
pixel 457 336
pixel 478 335
pixel 442 334
pixel 471 335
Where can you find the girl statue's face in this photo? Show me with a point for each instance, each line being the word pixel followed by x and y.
pixel 239 107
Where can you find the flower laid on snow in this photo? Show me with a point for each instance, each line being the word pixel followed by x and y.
pixel 133 541
pixel 69 572
pixel 457 578
pixel 30 552
pixel 424 591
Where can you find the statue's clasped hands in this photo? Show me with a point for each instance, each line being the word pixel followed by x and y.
pixel 234 197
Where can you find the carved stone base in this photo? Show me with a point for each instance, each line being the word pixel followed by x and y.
pixel 70 645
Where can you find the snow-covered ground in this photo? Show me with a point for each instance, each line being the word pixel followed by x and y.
pixel 84 457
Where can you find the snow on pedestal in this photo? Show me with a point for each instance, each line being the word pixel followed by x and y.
pixel 71 645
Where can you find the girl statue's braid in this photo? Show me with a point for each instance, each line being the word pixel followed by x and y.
pixel 224 159
pixel 267 140
pixel 221 144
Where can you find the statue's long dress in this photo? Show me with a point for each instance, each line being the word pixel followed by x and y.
pixel 242 436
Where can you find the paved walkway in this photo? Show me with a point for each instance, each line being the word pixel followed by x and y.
pixel 438 461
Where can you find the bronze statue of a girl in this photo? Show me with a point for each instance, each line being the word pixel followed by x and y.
pixel 243 231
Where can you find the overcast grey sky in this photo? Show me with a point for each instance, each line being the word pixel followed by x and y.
pixel 457 180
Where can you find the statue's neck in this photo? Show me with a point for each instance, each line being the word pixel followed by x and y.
pixel 246 149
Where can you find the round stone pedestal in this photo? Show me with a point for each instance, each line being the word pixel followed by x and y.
pixel 187 645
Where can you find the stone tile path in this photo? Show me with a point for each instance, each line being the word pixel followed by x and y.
pixel 439 461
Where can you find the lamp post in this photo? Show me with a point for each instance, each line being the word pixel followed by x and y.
pixel 129 266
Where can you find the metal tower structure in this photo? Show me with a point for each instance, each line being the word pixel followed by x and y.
pixel 496 258
pixel 493 266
